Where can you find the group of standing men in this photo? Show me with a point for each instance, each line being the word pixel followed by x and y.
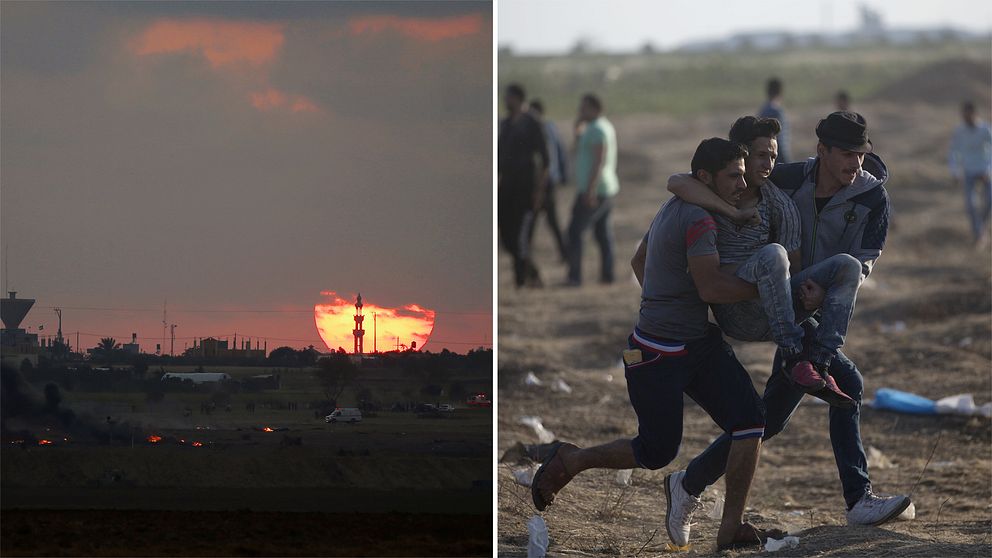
pixel 532 161
pixel 779 252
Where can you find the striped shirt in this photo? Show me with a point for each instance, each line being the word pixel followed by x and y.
pixel 779 223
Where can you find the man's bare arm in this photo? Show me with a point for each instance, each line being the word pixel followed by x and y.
pixel 697 193
pixel 718 287
pixel 639 260
pixel 598 158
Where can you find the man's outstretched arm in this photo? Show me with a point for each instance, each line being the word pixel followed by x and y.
pixel 696 193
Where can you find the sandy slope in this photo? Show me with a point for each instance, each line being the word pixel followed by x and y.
pixel 930 278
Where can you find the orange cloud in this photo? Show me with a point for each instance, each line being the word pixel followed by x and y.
pixel 423 29
pixel 273 99
pixel 222 43
pixel 335 321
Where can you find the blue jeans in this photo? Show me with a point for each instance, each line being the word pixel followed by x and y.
pixel 979 215
pixel 781 400
pixel 774 315
pixel 598 218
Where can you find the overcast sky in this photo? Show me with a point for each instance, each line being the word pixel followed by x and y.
pixel 554 26
pixel 244 156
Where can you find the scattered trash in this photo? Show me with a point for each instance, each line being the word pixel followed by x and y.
pixel 903 402
pixel 878 460
pixel 609 377
pixel 964 342
pixel 560 386
pixel 525 475
pixel 543 434
pixel 772 545
pixel 537 545
pixel 623 477
pixel 963 404
pixel 942 464
pixel 716 512
pixel 606 398
pixel 531 379
pixel 898 326
pixel 909 513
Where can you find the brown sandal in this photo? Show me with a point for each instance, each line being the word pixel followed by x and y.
pixel 553 474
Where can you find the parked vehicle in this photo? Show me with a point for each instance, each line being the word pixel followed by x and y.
pixel 479 400
pixel 446 408
pixel 348 414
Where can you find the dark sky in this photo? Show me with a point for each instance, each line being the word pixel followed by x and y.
pixel 244 156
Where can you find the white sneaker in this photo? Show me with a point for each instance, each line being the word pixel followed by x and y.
pixel 681 506
pixel 876 510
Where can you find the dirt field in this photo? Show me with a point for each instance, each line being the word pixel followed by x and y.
pixel 922 324
pixel 393 484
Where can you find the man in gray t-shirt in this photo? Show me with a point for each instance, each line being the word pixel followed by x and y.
pixel 674 351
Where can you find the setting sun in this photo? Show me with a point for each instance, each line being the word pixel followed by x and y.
pixel 335 320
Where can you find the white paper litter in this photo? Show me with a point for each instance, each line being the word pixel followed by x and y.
pixel 962 404
pixel 795 522
pixel 543 434
pixel 772 545
pixel 531 379
pixel 559 385
pixel 909 513
pixel 716 511
pixel 537 545
pixel 623 477
pixel 525 475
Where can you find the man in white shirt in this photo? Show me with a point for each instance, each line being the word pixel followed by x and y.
pixel 970 160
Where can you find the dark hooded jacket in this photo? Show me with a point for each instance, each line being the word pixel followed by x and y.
pixel 856 219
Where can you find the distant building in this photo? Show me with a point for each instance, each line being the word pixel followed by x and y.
pixel 131 348
pixel 16 344
pixel 211 348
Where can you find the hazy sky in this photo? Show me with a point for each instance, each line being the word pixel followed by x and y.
pixel 245 156
pixel 551 26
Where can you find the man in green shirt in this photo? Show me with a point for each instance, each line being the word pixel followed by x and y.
pixel 596 185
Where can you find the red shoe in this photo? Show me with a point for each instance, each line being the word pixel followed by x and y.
pixel 833 395
pixel 806 378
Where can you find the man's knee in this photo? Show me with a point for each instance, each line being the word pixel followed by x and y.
pixel 848 268
pixel 847 376
pixel 654 453
pixel 774 256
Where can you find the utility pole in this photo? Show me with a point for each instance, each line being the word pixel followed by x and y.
pixel 375 335
pixel 172 344
pixel 58 337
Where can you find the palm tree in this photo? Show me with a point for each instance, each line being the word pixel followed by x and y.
pixel 107 347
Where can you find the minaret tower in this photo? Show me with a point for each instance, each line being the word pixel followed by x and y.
pixel 358 331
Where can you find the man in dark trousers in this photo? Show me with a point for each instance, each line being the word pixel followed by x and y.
pixel 675 351
pixel 557 174
pixel 522 167
pixel 843 209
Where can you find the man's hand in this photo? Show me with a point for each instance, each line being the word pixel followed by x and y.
pixel 590 199
pixel 747 216
pixel 811 295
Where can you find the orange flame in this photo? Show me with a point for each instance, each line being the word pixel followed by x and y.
pixel 153 439
pixel 197 444
pixel 44 442
pixel 267 429
pixel 335 321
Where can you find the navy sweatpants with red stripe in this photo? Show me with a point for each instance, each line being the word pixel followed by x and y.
pixel 707 371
